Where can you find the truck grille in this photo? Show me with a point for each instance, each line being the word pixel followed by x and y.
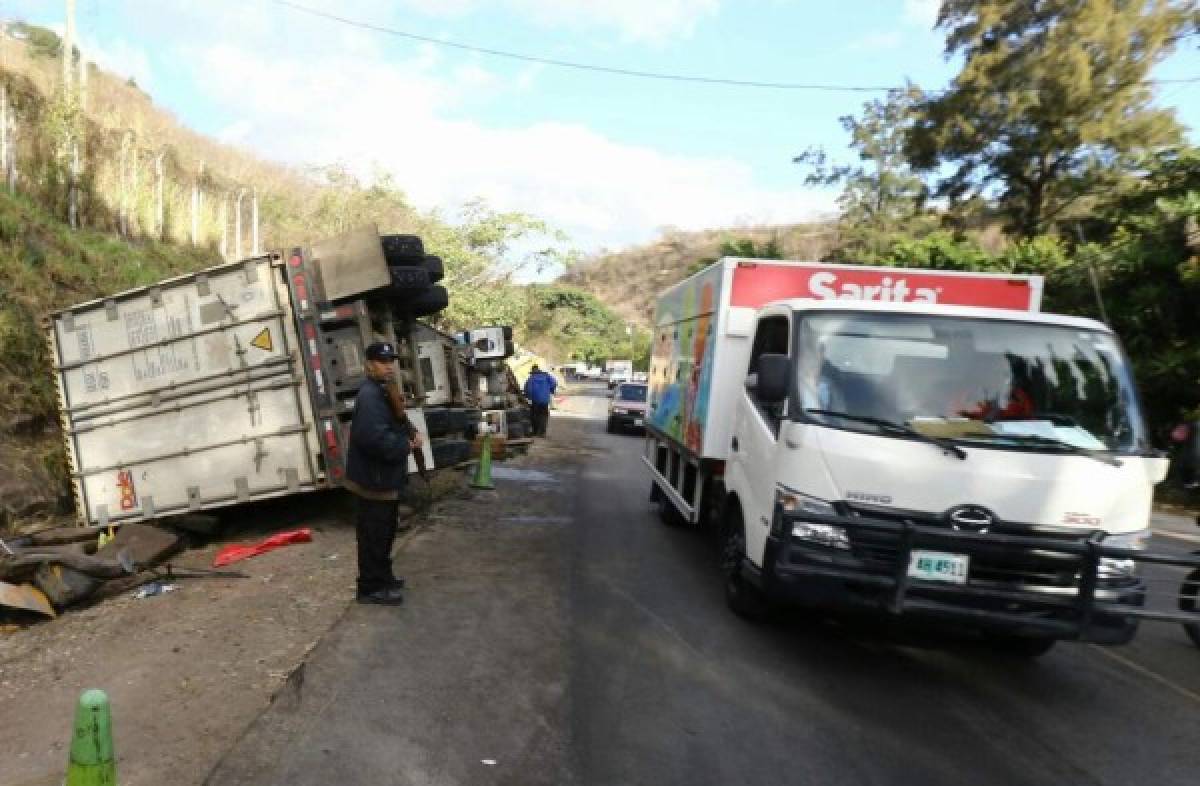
pixel 999 565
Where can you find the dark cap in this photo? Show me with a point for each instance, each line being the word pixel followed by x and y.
pixel 382 350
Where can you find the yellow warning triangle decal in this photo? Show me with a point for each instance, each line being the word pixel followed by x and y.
pixel 263 340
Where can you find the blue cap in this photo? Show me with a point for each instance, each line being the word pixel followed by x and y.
pixel 382 350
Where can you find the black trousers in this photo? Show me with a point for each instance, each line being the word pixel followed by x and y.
pixel 539 415
pixel 375 530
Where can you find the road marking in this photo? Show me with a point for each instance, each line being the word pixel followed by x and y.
pixel 1145 672
pixel 1177 536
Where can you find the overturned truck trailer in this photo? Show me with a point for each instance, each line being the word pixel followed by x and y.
pixel 236 383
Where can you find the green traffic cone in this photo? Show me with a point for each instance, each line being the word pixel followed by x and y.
pixel 92 761
pixel 483 470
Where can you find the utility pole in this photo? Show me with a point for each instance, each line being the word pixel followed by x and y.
pixel 68 47
pixel 70 147
pixel 254 202
pixel 225 227
pixel 237 224
pixel 160 208
pixel 4 97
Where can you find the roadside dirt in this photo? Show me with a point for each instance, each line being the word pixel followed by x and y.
pixel 186 671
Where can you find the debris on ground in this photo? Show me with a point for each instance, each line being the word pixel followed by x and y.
pixel 238 552
pixel 154 588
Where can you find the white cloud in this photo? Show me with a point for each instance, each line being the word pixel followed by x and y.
pixel 923 13
pixel 600 191
pixel 638 20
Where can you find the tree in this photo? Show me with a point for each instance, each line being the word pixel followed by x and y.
pixel 744 247
pixel 1052 98
pixel 882 189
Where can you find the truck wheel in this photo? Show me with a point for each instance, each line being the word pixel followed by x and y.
pixel 746 600
pixel 612 428
pixel 1021 646
pixel 1188 602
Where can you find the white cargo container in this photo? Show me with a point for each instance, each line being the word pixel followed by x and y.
pixel 198 392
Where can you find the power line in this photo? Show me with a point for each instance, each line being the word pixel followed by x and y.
pixel 629 72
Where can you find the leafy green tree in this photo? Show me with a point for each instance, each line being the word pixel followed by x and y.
pixel 743 247
pixel 1051 98
pixel 880 192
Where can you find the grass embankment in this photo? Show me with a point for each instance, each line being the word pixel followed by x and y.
pixel 45 265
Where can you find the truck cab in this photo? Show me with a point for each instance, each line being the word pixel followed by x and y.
pixel 947 462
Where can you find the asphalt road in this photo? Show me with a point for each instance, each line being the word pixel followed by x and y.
pixel 609 657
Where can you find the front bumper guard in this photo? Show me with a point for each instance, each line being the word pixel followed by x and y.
pixel 1079 611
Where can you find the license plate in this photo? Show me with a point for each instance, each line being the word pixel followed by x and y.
pixel 637 422
pixel 939 566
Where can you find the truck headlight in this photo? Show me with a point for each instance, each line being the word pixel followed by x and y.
pixel 619 411
pixel 1115 567
pixel 828 535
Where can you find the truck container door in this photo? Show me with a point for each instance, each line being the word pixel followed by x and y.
pixel 755 440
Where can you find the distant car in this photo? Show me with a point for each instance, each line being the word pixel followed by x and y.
pixel 627 411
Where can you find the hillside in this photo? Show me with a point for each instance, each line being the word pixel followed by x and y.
pixel 628 281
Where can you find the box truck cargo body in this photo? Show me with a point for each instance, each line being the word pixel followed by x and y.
pixel 918 443
pixel 227 385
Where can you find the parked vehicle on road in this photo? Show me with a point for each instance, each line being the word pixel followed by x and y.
pixel 627 410
pixel 922 444
pixel 618 371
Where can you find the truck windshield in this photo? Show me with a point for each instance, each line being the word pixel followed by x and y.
pixel 632 393
pixel 1018 385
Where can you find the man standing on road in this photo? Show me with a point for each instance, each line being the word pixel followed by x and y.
pixel 377 473
pixel 539 389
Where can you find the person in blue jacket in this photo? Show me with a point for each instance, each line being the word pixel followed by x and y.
pixel 539 389
pixel 377 473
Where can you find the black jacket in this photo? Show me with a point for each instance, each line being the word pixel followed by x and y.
pixel 378 456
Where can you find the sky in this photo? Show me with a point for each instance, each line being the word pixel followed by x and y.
pixel 610 160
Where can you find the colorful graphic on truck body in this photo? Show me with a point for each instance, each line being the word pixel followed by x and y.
pixel 682 359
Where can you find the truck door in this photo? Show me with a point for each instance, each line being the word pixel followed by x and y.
pixel 755 437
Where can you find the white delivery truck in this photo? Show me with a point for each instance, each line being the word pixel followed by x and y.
pixel 925 444
pixel 236 383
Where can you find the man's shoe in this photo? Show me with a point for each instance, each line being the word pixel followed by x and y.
pixel 383 597
pixel 396 583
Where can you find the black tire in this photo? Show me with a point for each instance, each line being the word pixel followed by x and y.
pixel 406 280
pixel 611 428
pixel 423 303
pixel 742 597
pixel 449 452
pixel 434 268
pixel 1189 601
pixel 1020 646
pixel 438 422
pixel 402 249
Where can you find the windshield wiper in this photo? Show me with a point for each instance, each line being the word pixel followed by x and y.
pixel 894 428
pixel 1066 447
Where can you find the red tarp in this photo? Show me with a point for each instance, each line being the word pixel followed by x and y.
pixel 237 553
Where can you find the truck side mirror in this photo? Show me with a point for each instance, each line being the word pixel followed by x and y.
pixel 774 372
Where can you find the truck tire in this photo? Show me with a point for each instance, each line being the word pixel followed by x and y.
pixel 611 428
pixel 1188 601
pixel 743 598
pixel 407 280
pixel 450 452
pixel 667 513
pixel 423 303
pixel 435 268
pixel 402 249
pixel 437 422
